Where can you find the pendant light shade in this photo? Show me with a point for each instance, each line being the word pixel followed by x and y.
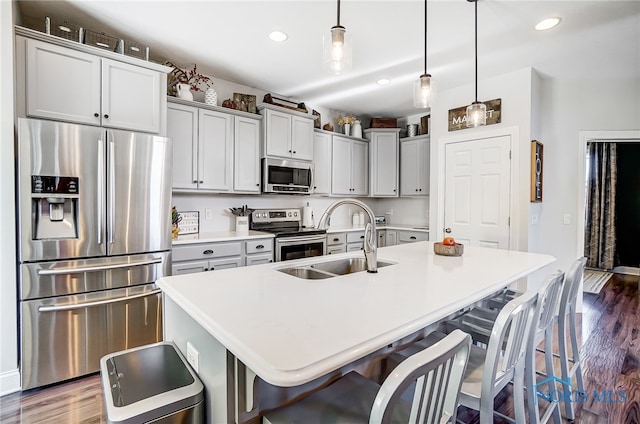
pixel 337 51
pixel 476 111
pixel 422 86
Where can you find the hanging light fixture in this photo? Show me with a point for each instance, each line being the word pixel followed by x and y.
pixel 476 111
pixel 337 49
pixel 422 86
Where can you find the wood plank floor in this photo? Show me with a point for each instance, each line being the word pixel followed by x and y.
pixel 611 352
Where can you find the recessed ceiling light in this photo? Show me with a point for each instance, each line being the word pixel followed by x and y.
pixel 278 36
pixel 383 81
pixel 547 23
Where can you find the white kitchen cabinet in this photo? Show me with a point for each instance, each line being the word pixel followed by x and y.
pixel 246 159
pixel 408 236
pixel 258 252
pixel 321 162
pixel 355 241
pixel 213 151
pixel 390 238
pixel 414 166
pixel 200 257
pixel 382 238
pixel 287 134
pixel 383 153
pixel 74 86
pixel 336 243
pixel 350 166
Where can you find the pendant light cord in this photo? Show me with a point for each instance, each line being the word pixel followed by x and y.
pixel 476 31
pixel 338 12
pixel 425 36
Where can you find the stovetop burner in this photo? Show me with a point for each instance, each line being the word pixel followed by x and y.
pixel 281 222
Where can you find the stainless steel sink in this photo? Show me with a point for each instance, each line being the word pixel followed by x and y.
pixel 331 268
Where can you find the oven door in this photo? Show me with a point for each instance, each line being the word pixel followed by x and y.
pixel 288 248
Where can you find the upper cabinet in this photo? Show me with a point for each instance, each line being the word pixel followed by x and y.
pixel 383 154
pixel 350 166
pixel 78 85
pixel 287 134
pixel 322 162
pixel 414 166
pixel 213 150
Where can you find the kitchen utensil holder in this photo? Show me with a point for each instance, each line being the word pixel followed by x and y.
pixel 242 224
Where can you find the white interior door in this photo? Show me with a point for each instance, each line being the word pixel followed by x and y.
pixel 477 191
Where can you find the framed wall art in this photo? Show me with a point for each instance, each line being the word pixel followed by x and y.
pixel 536 171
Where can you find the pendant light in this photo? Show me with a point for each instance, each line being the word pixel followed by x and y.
pixel 476 111
pixel 422 86
pixel 337 49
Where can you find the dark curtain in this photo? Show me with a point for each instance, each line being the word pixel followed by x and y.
pixel 600 229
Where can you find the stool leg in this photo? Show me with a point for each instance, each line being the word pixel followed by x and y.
pixel 518 389
pixel 575 349
pixel 548 359
pixel 564 364
pixel 530 382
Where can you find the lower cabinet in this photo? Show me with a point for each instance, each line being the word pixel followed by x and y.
pixel 411 236
pixel 200 257
pixel 355 241
pixel 336 243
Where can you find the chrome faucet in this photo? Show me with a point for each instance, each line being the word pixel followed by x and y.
pixel 370 239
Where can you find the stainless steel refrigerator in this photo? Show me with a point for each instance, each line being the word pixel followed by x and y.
pixel 94 212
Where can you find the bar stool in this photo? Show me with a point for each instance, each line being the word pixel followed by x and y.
pixel 435 374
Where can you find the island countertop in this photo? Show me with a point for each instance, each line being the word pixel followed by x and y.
pixel 290 330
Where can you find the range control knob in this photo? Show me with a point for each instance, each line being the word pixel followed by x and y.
pixel 295 214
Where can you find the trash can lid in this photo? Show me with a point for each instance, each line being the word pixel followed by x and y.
pixel 148 382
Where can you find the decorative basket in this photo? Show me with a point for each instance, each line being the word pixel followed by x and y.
pixel 102 41
pixel 448 250
pixel 63 29
pixel 134 49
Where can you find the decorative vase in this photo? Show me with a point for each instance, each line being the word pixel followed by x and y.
pixel 347 129
pixel 184 91
pixel 211 97
pixel 357 129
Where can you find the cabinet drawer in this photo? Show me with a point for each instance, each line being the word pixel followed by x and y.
pixel 206 251
pixel 354 247
pixel 258 246
pixel 411 237
pixel 336 249
pixel 338 238
pixel 189 267
pixel 258 259
pixel 219 264
pixel 356 236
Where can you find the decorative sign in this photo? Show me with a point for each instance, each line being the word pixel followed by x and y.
pixel 536 171
pixel 458 116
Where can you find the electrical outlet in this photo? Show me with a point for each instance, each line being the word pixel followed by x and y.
pixel 534 219
pixel 566 219
pixel 193 357
pixel 207 214
pixel 389 212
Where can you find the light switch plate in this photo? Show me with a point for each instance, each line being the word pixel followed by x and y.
pixel 190 223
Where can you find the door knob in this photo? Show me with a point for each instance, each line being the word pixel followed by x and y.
pixel 447 230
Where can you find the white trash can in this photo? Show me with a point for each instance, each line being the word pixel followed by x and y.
pixel 151 383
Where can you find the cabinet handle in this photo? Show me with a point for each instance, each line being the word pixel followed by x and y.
pixel 416 189
pixel 361 237
pixel 314 187
pixel 208 252
pixel 213 268
pixel 289 151
pixel 336 239
pixel 294 152
pixel 96 114
pixel 201 182
pixel 106 116
pixel 195 181
pixel 420 189
pixel 412 237
pixel 260 246
pixel 258 185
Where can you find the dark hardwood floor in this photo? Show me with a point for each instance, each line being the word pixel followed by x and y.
pixel 611 361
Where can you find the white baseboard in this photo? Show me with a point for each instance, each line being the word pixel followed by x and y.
pixel 629 270
pixel 9 382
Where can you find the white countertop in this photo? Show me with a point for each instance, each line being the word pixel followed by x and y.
pixel 219 236
pixel 290 330
pixel 346 229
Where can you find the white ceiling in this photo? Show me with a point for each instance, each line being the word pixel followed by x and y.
pixel 229 40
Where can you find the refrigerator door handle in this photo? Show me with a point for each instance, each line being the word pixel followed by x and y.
pixel 100 190
pixel 78 270
pixel 96 303
pixel 112 191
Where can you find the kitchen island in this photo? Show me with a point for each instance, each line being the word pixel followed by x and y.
pixel 290 331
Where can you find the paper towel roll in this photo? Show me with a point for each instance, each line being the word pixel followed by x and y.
pixel 307 216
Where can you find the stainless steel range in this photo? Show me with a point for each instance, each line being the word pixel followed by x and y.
pixel 292 241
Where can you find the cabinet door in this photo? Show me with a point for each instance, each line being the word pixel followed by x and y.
pixel 423 168
pixel 360 168
pixel 182 127
pixel 130 97
pixel 246 170
pixel 341 166
pixel 322 163
pixel 409 158
pixel 226 263
pixel 302 138
pixel 391 238
pixel 215 146
pixel 278 133
pixel 189 267
pixel 62 84
pixel 384 164
pixel 382 238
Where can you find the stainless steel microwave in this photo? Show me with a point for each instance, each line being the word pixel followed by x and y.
pixel 286 176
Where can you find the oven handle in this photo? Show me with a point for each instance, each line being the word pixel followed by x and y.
pixel 78 270
pixel 302 238
pixel 96 303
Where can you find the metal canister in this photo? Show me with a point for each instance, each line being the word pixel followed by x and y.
pixel 412 130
